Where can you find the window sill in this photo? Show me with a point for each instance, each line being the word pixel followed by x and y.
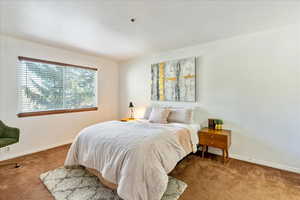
pixel 52 112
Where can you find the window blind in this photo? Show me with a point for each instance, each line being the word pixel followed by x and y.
pixel 51 86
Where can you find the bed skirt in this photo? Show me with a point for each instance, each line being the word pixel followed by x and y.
pixel 102 180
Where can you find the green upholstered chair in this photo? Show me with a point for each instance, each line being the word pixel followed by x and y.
pixel 8 136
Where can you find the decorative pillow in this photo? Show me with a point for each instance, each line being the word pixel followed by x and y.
pixel 159 115
pixel 147 112
pixel 181 115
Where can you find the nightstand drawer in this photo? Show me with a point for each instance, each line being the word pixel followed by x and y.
pixel 214 140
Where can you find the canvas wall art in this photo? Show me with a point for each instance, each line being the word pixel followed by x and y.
pixel 174 80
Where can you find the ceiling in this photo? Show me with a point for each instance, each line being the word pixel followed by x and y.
pixel 103 27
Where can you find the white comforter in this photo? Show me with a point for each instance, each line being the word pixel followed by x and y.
pixel 137 156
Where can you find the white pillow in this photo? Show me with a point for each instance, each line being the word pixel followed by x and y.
pixel 147 112
pixel 159 115
pixel 181 115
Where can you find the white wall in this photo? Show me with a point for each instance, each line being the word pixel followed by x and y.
pixel 43 132
pixel 251 81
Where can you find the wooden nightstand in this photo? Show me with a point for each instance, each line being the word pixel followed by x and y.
pixel 215 138
pixel 127 119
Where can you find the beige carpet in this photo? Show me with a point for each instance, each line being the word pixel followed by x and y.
pixel 207 179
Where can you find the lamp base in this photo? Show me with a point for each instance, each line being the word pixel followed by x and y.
pixel 131 114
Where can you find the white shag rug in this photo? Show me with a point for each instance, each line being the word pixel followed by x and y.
pixel 79 184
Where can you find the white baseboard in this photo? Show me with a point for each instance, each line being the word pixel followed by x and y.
pixel 266 163
pixel 7 155
pixel 259 162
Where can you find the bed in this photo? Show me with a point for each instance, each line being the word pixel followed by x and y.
pixel 133 157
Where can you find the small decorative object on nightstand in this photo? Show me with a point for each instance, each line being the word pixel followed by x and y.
pixel 215 138
pixel 218 124
pixel 211 123
pixel 215 123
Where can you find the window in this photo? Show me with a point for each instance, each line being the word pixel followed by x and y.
pixel 47 87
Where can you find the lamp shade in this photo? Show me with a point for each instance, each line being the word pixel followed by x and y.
pixel 131 105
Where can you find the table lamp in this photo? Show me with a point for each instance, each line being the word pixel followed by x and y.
pixel 131 107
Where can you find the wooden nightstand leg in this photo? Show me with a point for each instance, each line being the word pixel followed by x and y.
pixel 203 150
pixel 224 155
pixel 227 154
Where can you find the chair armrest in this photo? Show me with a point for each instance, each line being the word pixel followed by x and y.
pixel 11 132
